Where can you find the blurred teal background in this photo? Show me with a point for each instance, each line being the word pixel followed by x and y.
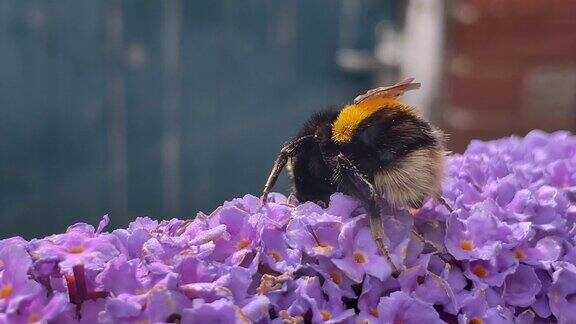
pixel 160 108
pixel 168 108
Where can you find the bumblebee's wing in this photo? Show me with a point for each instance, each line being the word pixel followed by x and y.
pixel 389 92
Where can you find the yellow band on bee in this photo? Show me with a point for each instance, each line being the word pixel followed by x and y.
pixel 351 116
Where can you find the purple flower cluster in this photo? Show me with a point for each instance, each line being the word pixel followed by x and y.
pixel 506 254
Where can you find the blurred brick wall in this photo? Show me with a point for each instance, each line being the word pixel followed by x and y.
pixel 510 68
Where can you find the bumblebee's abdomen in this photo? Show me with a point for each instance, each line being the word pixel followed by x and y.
pixel 401 153
pixel 409 179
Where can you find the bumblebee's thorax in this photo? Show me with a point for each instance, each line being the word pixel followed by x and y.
pixel 351 116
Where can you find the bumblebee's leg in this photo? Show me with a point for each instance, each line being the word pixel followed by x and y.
pixel 378 236
pixel 444 203
pixel 366 192
pixel 283 156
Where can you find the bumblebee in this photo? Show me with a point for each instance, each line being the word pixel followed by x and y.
pixel 376 147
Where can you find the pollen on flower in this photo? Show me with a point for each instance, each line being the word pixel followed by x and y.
pixel 160 288
pixel 270 283
pixel 480 271
pixel 242 244
pixel 276 256
pixel 336 277
pixel 374 312
pixel 359 257
pixel 34 317
pixel 476 320
pixel 76 249
pixel 323 248
pixel 290 319
pixel 466 245
pixel 35 255
pixel 6 291
pixel 144 322
pixel 326 316
pixel 519 254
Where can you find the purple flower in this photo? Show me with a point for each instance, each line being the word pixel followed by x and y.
pixel 277 255
pixel 156 303
pixel 399 307
pixel 81 244
pixel 40 310
pixel 427 286
pixel 275 215
pixel 492 272
pixel 361 255
pixel 243 235
pixel 336 281
pixel 480 234
pixel 325 309
pixel 232 284
pixel 130 242
pixel 257 309
pixel 562 292
pixel 494 315
pixel 15 286
pixel 13 241
pixel 545 252
pixel 506 254
pixel 372 290
pixel 219 311
pixel 318 239
pixel 121 277
pixel 342 206
pixel 521 287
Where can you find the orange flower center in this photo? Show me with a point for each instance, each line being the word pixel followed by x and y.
pixel 336 276
pixel 359 257
pixel 6 291
pixel 276 256
pixel 242 244
pixel 326 316
pixel 374 312
pixel 76 249
pixel 466 245
pixel 34 318
pixel 323 248
pixel 480 271
pixel 476 320
pixel 519 254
